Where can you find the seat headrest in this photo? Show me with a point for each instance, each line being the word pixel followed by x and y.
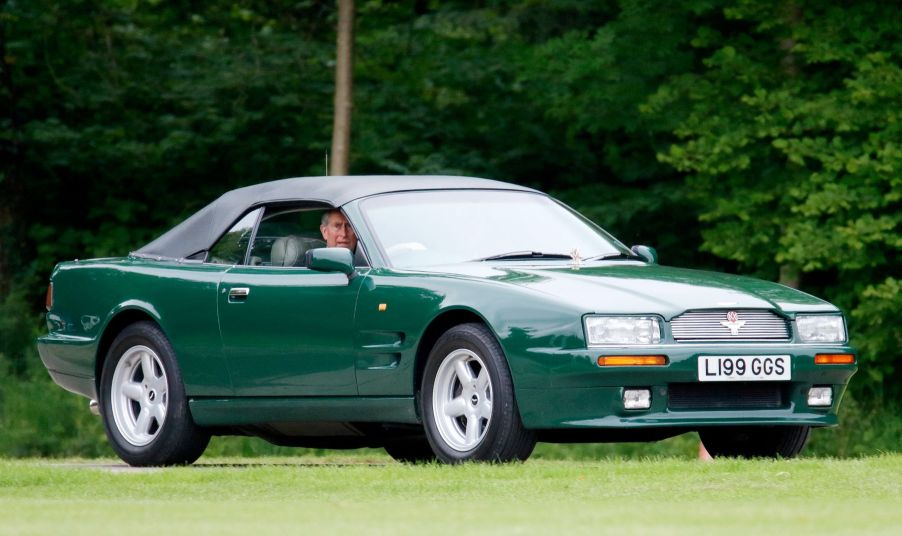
pixel 287 251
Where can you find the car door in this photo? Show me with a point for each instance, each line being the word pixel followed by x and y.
pixel 287 330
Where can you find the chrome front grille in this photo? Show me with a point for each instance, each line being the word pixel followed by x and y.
pixel 716 325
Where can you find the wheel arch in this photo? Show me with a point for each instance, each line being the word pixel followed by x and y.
pixel 120 320
pixel 444 321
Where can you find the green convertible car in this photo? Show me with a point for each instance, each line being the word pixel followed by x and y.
pixel 445 318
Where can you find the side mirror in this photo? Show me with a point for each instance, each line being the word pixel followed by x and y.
pixel 331 260
pixel 647 253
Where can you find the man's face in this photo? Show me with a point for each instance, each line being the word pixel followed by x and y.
pixel 338 233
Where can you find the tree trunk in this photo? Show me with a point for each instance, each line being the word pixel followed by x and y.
pixel 790 275
pixel 344 62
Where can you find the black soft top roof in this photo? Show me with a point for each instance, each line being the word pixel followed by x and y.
pixel 204 227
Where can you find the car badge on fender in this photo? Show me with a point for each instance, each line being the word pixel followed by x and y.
pixel 733 323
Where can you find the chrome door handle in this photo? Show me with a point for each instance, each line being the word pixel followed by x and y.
pixel 238 293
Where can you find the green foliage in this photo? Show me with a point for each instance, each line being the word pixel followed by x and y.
pixel 591 81
pixel 790 135
pixel 436 92
pixel 869 426
pixel 132 114
pixel 37 418
pixel 881 337
pixel 17 331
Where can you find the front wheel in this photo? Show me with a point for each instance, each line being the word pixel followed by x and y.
pixel 143 402
pixel 755 441
pixel 467 400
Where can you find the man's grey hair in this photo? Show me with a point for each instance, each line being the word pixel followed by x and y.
pixel 325 219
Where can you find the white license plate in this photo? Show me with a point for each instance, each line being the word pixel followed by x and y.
pixel 743 368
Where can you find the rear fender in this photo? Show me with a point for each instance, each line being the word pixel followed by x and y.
pixel 122 316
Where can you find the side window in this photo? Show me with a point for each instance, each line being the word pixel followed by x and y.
pixel 230 249
pixel 285 235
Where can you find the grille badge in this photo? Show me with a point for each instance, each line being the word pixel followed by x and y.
pixel 733 323
pixel 704 325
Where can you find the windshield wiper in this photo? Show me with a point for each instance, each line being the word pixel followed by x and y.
pixel 613 256
pixel 514 255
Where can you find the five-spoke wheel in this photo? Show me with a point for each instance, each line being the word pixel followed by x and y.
pixel 143 403
pixel 462 400
pixel 139 394
pixel 467 400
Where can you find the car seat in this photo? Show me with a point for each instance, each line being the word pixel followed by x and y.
pixel 290 250
pixel 287 251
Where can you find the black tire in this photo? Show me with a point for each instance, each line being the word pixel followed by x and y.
pixel 177 440
pixel 502 438
pixel 415 450
pixel 755 441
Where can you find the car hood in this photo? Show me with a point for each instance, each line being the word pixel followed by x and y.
pixel 633 287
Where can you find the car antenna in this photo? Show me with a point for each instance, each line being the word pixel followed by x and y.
pixel 327 163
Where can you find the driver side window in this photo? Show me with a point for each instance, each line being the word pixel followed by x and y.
pixel 283 237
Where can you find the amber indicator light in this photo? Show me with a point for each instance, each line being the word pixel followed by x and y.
pixel 49 301
pixel 631 360
pixel 834 359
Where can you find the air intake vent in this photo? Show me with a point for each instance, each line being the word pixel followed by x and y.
pixel 729 325
pixel 725 396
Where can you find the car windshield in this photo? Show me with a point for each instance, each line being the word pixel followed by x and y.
pixel 416 229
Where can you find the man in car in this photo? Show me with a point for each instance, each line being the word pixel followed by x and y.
pixel 337 231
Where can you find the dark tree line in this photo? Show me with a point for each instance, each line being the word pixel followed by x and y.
pixel 759 137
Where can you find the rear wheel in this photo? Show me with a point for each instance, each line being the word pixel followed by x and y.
pixel 143 403
pixel 467 400
pixel 755 441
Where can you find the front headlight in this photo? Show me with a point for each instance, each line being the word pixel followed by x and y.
pixel 604 330
pixel 821 328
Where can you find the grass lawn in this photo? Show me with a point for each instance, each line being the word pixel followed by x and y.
pixel 371 494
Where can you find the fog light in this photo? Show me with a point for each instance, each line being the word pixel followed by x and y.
pixel 636 398
pixel 820 396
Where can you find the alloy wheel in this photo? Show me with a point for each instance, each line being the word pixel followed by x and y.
pixel 462 400
pixel 139 395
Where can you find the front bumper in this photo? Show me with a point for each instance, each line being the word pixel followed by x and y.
pixel 567 389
